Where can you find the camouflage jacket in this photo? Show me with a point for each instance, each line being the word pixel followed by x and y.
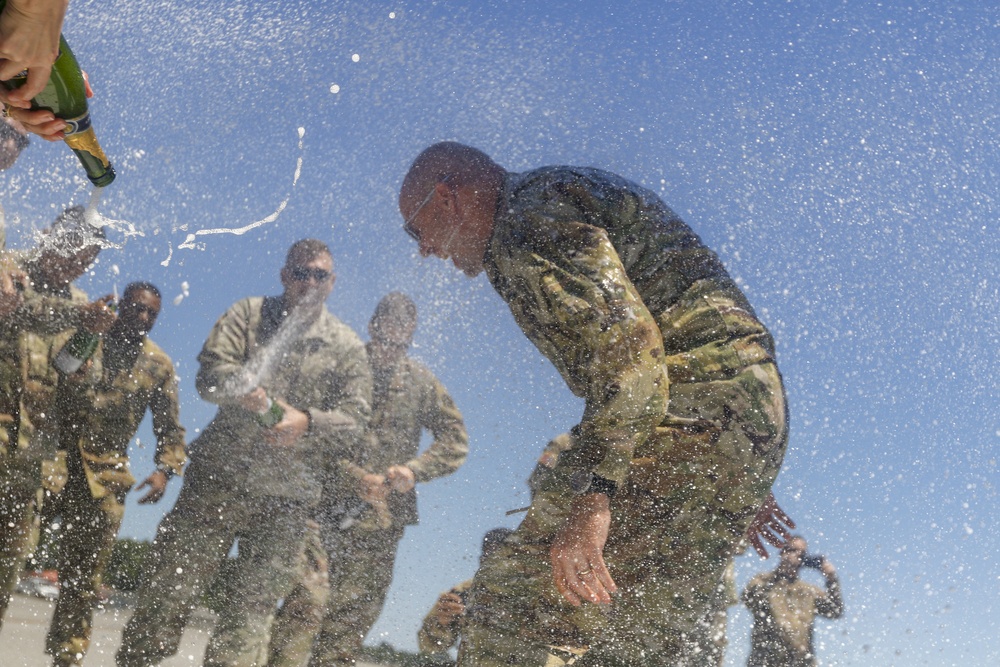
pixel 622 296
pixel 323 370
pixel 783 615
pixel 102 407
pixel 433 637
pixel 404 403
pixel 29 340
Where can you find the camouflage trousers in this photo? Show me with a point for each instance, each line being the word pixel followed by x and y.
pixel 23 485
pixel 86 538
pixel 192 542
pixel 680 517
pixel 360 572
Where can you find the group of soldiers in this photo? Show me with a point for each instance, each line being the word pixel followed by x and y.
pixel 309 466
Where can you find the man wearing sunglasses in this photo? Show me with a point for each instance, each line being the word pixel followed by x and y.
pixel 784 608
pixel 647 508
pixel 257 470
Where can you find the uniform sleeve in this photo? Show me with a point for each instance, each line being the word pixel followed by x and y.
pixel 165 408
pixel 831 605
pixel 348 408
pixel 224 353
pixel 755 594
pixel 44 314
pixel 573 299
pixel 450 447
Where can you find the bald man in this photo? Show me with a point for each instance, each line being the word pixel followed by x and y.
pixel 647 508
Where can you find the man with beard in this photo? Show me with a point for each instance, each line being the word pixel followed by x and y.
pixel 101 407
pixel 294 392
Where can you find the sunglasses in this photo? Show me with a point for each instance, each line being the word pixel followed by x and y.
pixel 302 274
pixel 408 225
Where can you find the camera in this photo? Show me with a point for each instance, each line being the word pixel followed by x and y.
pixel 814 561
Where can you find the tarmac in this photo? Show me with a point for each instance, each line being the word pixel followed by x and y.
pixel 22 640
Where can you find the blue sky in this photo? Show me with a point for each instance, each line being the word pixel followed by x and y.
pixel 841 157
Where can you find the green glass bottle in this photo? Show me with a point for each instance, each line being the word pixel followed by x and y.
pixel 65 96
pixel 274 414
pixel 78 349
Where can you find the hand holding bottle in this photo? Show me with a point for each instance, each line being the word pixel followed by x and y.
pixel 43 122
pixel 98 317
pixel 29 40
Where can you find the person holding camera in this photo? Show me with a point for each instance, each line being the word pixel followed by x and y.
pixel 784 608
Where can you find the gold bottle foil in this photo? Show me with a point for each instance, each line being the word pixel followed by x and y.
pixel 87 141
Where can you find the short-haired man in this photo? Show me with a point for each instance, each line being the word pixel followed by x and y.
pixel 784 608
pixel 294 392
pixel 101 407
pixel 368 505
pixel 629 305
pixel 43 310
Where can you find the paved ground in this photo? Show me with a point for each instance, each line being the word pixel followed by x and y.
pixel 22 639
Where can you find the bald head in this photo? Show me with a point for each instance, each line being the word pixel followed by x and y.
pixel 458 163
pixel 448 200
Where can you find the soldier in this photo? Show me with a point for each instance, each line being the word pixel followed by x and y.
pixel 784 608
pixel 43 310
pixel 102 407
pixel 626 301
pixel 362 528
pixel 442 626
pixel 284 361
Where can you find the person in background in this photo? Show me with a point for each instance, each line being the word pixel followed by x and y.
pixel 368 505
pixel 102 406
pixel 43 311
pixel 784 608
pixel 294 394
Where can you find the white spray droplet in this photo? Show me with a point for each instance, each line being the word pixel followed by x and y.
pixel 356 57
pixel 334 88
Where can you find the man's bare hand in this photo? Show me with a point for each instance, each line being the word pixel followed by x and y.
pixel 96 317
pixel 577 553
pixel 771 524
pixel 372 489
pixel 400 478
pixel 254 401
pixel 157 483
pixel 448 608
pixel 293 425
pixel 29 40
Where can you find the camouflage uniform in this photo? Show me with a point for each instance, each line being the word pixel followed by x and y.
pixel 238 486
pixel 29 340
pixel 405 401
pixel 625 300
pixel 783 614
pixel 100 413
pixel 725 597
pixel 435 638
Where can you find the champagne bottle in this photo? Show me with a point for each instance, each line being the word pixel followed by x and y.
pixel 65 96
pixel 274 414
pixel 78 349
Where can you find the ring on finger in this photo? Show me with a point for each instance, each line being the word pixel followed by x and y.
pixel 583 572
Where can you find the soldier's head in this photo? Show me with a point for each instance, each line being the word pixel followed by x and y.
pixel 791 556
pixel 13 140
pixel 492 541
pixel 448 199
pixel 138 309
pixel 391 329
pixel 308 273
pixel 68 247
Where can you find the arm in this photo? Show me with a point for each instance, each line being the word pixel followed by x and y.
pixel 450 447
pixel 440 629
pixel 170 453
pixel 223 355
pixel 830 605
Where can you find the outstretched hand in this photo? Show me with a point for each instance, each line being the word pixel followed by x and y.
pixel 771 524
pixel 577 553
